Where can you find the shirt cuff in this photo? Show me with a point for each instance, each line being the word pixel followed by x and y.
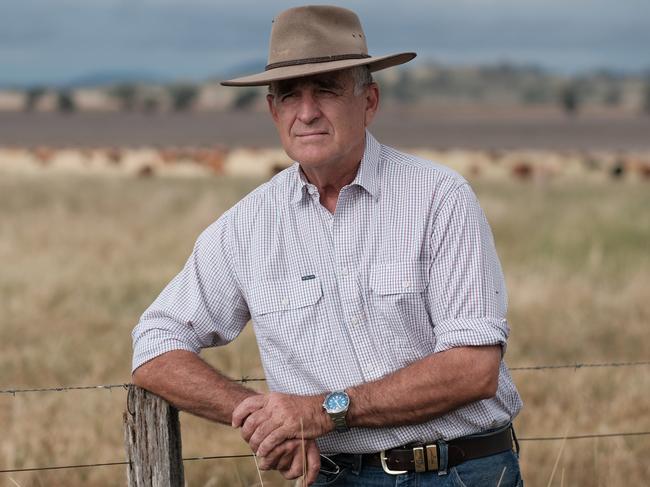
pixel 471 332
pixel 151 343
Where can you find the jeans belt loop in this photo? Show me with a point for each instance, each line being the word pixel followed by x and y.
pixel 443 457
pixel 357 465
pixel 515 441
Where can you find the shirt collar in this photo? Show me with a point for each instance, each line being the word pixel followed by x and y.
pixel 367 175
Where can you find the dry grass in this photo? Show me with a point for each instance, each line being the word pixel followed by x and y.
pixel 82 257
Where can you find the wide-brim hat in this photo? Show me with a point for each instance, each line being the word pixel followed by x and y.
pixel 316 39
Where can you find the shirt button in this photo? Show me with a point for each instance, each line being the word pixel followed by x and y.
pixel 344 271
pixel 285 302
pixel 355 321
pixel 406 284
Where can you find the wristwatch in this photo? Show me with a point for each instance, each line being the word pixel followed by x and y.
pixel 336 405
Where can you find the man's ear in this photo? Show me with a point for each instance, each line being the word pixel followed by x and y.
pixel 270 100
pixel 372 102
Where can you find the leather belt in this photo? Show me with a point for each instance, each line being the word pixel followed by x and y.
pixel 423 458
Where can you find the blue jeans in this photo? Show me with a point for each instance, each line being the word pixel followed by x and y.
pixel 500 470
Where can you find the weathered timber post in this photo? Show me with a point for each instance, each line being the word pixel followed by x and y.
pixel 152 436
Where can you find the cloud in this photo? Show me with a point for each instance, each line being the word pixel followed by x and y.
pixel 189 37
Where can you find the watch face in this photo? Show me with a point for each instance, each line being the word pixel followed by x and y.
pixel 337 402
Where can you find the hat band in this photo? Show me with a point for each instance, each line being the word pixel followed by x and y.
pixel 310 60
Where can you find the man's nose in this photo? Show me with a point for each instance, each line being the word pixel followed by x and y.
pixel 308 110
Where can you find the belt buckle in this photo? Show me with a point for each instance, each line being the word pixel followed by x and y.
pixel 384 466
pixel 432 457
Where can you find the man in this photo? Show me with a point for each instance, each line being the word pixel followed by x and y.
pixel 372 282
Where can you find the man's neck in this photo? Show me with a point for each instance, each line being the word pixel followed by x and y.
pixel 330 182
pixel 329 179
pixel 329 188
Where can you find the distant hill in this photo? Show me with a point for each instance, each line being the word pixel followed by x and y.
pixel 101 79
pixel 510 84
pixel 422 84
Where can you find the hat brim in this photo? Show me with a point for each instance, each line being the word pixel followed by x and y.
pixel 301 70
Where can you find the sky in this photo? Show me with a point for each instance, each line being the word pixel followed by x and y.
pixel 57 41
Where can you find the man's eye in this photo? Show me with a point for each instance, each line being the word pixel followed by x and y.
pixel 287 96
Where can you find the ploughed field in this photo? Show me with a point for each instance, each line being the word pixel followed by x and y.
pixel 83 255
pixel 455 126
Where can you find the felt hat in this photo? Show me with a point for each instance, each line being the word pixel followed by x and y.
pixel 316 39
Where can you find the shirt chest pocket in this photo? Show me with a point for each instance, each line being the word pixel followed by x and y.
pixel 285 315
pixel 398 278
pixel 397 300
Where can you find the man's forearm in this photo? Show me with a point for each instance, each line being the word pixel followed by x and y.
pixel 192 385
pixel 420 392
pixel 427 388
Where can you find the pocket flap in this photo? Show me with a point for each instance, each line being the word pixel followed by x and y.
pixel 273 296
pixel 399 278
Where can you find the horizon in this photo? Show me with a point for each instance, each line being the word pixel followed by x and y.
pixel 108 78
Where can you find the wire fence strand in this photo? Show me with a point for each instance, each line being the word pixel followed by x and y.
pixel 65 388
pixel 582 365
pixel 250 455
pixel 244 380
pixel 584 437
pixel 109 387
pixel 62 467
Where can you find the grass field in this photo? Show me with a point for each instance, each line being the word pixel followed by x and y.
pixel 80 259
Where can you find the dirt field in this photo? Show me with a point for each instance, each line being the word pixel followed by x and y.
pixel 83 256
pixel 441 127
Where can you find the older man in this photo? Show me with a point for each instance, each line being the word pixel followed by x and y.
pixel 372 282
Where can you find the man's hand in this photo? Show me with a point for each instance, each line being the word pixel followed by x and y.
pixel 287 458
pixel 268 420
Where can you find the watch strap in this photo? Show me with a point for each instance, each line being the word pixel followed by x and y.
pixel 340 425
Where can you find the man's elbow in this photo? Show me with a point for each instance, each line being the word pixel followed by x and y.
pixel 487 381
pixel 139 378
pixel 489 385
pixel 487 373
pixel 143 376
pixel 156 373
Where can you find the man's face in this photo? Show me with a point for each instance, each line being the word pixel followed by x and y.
pixel 320 119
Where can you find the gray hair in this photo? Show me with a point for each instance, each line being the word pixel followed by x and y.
pixel 361 76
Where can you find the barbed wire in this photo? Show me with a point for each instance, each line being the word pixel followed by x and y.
pixel 62 467
pixel 218 457
pixel 584 437
pixel 109 464
pixel 245 379
pixel 250 455
pixel 65 388
pixel 582 365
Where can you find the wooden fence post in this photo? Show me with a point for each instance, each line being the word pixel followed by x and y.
pixel 152 436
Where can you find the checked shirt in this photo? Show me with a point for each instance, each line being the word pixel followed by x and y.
pixel 405 267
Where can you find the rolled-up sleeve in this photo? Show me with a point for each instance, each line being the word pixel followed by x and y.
pixel 466 292
pixel 201 307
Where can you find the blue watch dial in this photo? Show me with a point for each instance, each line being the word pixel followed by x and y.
pixel 336 402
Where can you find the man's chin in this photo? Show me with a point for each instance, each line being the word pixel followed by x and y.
pixel 310 155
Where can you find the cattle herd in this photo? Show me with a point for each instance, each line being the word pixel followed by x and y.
pixel 521 165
